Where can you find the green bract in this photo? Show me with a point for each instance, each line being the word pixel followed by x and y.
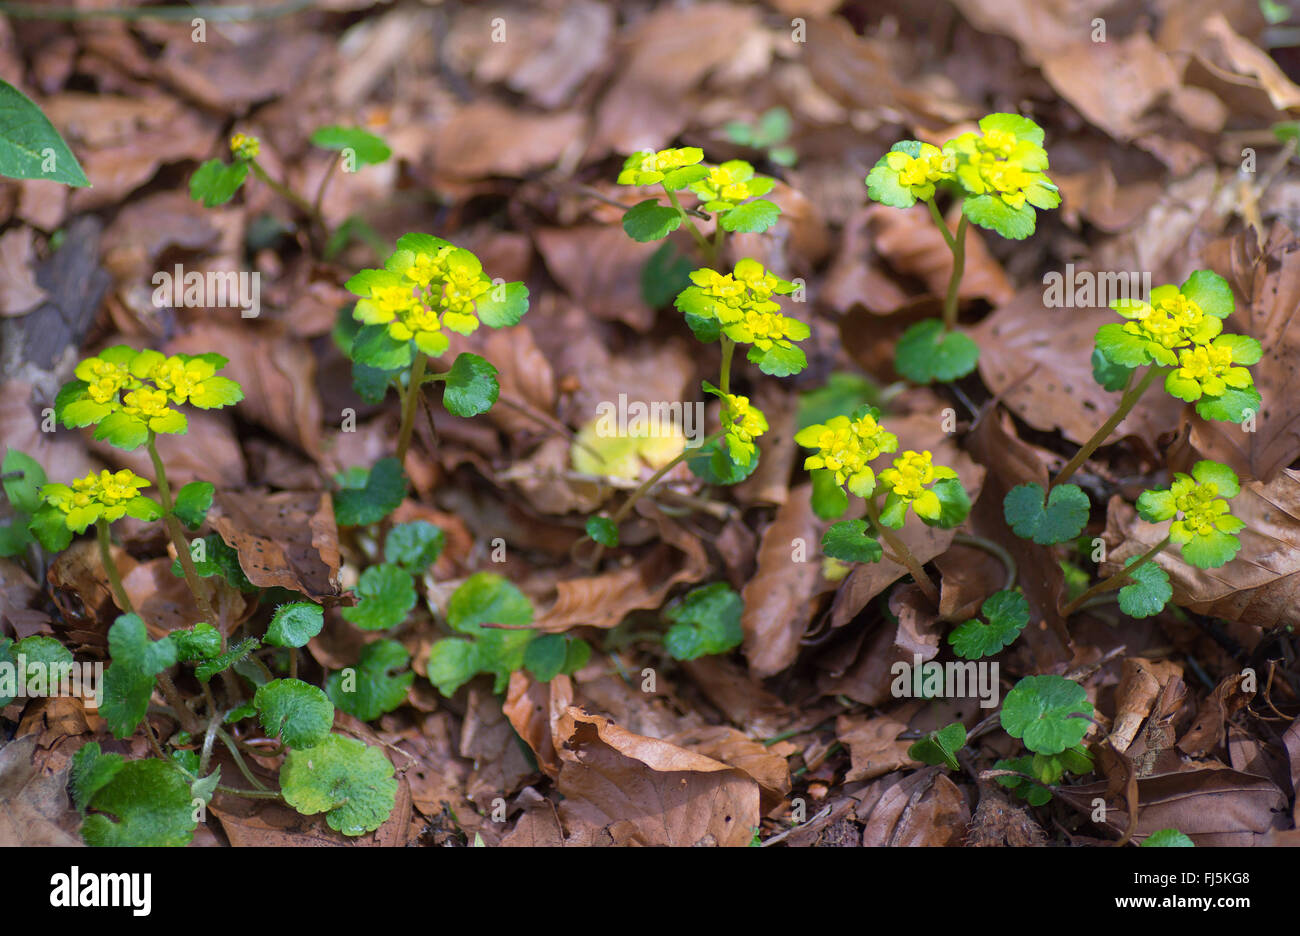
pixel 1204 527
pixel 1050 713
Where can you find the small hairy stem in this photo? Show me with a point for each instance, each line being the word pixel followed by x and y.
pixel 701 241
pixel 188 720
pixel 1118 580
pixel 110 567
pixel 231 746
pixel 287 193
pixel 293 662
pixel 410 401
pixel 250 794
pixel 958 246
pixel 900 549
pixel 724 376
pixel 320 192
pixel 153 739
pixel 178 537
pixel 1126 403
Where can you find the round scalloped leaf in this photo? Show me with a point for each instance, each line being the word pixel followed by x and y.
pixel 295 623
pixel 387 594
pixel 650 221
pixel 1109 375
pixel 714 465
pixel 377 686
pixel 453 662
pixel 1062 516
pixel 383 489
pixel 365 146
pixel 779 360
pixel 23 479
pixel 90 772
pixel 926 353
pixel 200 642
pixel 1050 713
pixel 849 540
pixel 954 504
pixel 50 527
pixel 471 386
pixel 349 781
pixel 1232 406
pixel 828 499
pixel 752 217
pixel 215 182
pixel 991 212
pixel 414 546
pixel 1211 550
pixel 1211 292
pixel 1147 592
pixel 1006 613
pixel 146 803
pixel 1167 838
pixel 487 598
pixel 193 502
pixel 375 347
pixel 502 305
pixel 705 622
pixel 297 713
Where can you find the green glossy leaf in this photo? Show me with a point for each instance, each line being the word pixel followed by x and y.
pixel 471 386
pixel 1056 519
pixel 387 594
pixel 298 714
pixel 414 546
pixel 778 360
pixel 603 531
pixel 926 353
pixel 365 146
pixel 379 683
pixel 375 347
pixel 664 275
pixel 713 463
pixel 128 681
pixel 1109 376
pixel 705 622
pixel 30 147
pixel 216 182
pixel 954 504
pixel 50 527
pixel 295 623
pixel 1211 292
pixel 829 500
pixel 503 305
pixel 217 559
pixel 23 490
pixel 1167 838
pixel 545 655
pixel 940 747
pixel 753 217
pixel 991 212
pixel 349 781
pixel 192 503
pixel 382 491
pixel 200 642
pixel 650 221
pixel 1006 614
pixel 1233 406
pixel 1147 592
pixel 1050 713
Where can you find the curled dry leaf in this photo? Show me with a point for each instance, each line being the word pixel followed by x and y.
pixel 913 246
pixel 865 673
pixel 922 809
pixel 1140 684
pixel 287 539
pixel 873 743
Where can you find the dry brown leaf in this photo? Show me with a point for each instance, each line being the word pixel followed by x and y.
pixel 768 769
pixel 488 139
pixel 288 539
pixel 1229 697
pixel 872 740
pixel 923 809
pixel 19 292
pixel 1140 684
pixel 913 246
pixel 33 802
pixel 599 266
pixel 868 676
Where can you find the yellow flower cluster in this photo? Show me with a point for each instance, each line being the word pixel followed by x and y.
pixel 243 146
pixel 106 496
pixel 909 482
pixel 845 447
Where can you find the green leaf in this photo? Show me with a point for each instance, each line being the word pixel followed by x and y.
pixel 487 598
pixel 298 714
pixel 1120 348
pixel 151 803
pixel 124 431
pixel 295 623
pixel 1211 292
pixel 30 147
pixel 1233 406
pixel 472 386
pixel 713 463
pixel 544 656
pixel 1211 550
pixel 91 771
pixel 414 546
pixel 1109 376
pixel 379 686
pixel 678 179
pixel 1156 506
pixel 1007 613
pixel 387 594
pixel 215 182
pixel 371 383
pixel 484 598
pixel 1167 838
pixel 926 353
pixel 50 527
pixel 452 663
pixel 882 182
pixel 350 782
pixel 218 559
pixel 1148 590
pixel 752 217
pixel 577 654
pixel 128 681
pixel 954 504
pixel 940 747
pixel 603 531
pixel 705 622
pixel 1046 712
pixel 1062 516
pixel 1026 789
pixel 368 148
pixel 209 668
pixel 375 347
pixel 651 221
pixel 843 393
pixel 503 305
pixel 247 710
pixel 829 500
pixel 192 503
pixel 778 360
pixel 991 212
pixel 22 491
pixel 200 642
pixel 383 490
pixel 850 541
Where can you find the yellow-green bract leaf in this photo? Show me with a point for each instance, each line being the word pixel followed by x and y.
pixel 376 686
pixel 30 147
pixel 192 503
pixel 344 778
pixel 471 386
pixel 991 212
pixel 752 217
pixel 298 714
pixel 378 495
pixel 365 146
pixel 216 392
pixel 147 802
pixel 1232 406
pixel 128 681
pixel 215 182
pixel 780 360
pixel 705 622
pixel 1051 713
pixel 376 348
pixel 387 594
pixel 295 623
pixel 124 431
pixel 502 305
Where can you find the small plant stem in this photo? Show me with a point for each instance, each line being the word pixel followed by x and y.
pixel 324 182
pixel 110 567
pixel 176 701
pixel 410 401
pixel 209 737
pixel 994 550
pixel 719 238
pixel 178 536
pixel 958 245
pixel 153 739
pixel 724 375
pixel 286 193
pixel 229 742
pixel 1118 580
pixel 293 662
pixel 941 224
pixel 654 478
pixel 250 794
pixel 701 241
pixel 1126 403
pixel 900 549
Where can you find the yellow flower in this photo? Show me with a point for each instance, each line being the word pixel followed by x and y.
pixel 844 447
pixel 920 170
pixel 649 167
pixel 1005 160
pixel 106 496
pixel 742 422
pixel 244 146
pixel 1206 370
pixel 729 184
pixel 908 482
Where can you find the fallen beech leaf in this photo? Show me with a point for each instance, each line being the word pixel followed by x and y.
pixel 872 740
pixel 489 139
pixel 33 802
pixel 923 809
pixel 1139 686
pixel 1207 730
pixel 769 769
pixel 600 267
pixel 287 539
pixel 913 246
pixel 488 739
pixel 644 791
pixel 868 676
pixel 19 293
